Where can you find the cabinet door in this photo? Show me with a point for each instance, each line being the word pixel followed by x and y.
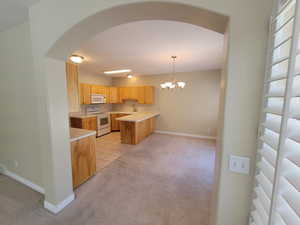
pixel 133 93
pixel 140 95
pixel 124 93
pixel 83 158
pixel 89 123
pixel 114 122
pixel 98 89
pixel 114 95
pixel 149 94
pixel 85 94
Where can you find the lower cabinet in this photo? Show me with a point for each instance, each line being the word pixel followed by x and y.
pixel 115 124
pixel 83 156
pixel 89 123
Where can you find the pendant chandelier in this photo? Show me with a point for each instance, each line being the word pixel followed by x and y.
pixel 173 83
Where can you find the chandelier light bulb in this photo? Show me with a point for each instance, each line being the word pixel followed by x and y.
pixel 181 84
pixel 163 85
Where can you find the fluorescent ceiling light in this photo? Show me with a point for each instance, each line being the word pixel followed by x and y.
pixel 129 76
pixel 76 58
pixel 117 71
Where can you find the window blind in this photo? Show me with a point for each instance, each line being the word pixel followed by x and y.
pixel 276 195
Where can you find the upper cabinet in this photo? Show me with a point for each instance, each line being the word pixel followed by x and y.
pixel 102 90
pixel 85 94
pixel 149 95
pixel 114 95
pixel 141 94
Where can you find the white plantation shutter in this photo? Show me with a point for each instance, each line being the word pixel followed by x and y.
pixel 276 195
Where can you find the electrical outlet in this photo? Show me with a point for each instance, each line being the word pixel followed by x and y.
pixel 239 164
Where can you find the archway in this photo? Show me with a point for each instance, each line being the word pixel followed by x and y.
pixel 106 19
pixel 77 21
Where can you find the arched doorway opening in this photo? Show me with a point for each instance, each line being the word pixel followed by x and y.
pixel 57 191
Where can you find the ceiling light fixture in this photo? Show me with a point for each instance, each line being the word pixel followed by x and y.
pixel 129 76
pixel 76 59
pixel 117 71
pixel 173 84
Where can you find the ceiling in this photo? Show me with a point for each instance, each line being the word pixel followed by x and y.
pixel 13 12
pixel 146 47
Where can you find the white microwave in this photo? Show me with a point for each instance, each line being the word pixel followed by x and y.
pixel 98 99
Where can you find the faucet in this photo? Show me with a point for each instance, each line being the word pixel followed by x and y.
pixel 134 108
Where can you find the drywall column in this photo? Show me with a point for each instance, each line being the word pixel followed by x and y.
pixel 57 162
pixel 61 183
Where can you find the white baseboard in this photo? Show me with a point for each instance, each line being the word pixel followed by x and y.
pixel 57 208
pixel 185 135
pixel 22 180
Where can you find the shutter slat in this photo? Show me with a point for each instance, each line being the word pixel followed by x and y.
pixel 256 218
pixel 265 184
pixel 278 220
pixel 269 154
pixel 261 211
pixel 291 195
pixel 292 149
pixel 293 129
pixel 279 71
pixel 271 138
pixel 285 15
pixel 267 169
pixel 287 213
pixel 291 172
pixel 262 196
pixel 295 108
pixel 273 122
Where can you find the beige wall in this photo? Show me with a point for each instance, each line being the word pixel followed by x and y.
pixel 88 77
pixel 20 150
pixel 192 110
pixel 247 37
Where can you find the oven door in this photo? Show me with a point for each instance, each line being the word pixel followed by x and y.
pixel 103 122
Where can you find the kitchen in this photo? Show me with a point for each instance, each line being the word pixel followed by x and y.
pixel 117 103
pixel 97 119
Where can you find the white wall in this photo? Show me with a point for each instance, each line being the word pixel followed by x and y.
pixel 19 137
pixel 193 110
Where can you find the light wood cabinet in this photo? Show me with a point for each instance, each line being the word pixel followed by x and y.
pixel 101 90
pixel 134 132
pixel 83 157
pixel 72 87
pixel 114 96
pixel 141 94
pixel 89 123
pixel 149 94
pixel 115 124
pixel 85 93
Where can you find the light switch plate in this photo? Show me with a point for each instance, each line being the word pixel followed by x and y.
pixel 239 164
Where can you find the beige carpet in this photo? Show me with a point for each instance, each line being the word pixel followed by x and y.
pixel 165 180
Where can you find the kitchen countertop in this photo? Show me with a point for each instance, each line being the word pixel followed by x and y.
pixel 123 112
pixel 77 134
pixel 81 115
pixel 138 116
